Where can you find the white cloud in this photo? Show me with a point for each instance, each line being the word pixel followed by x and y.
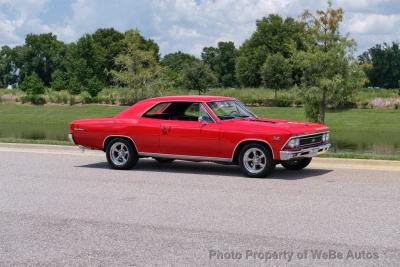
pixel 188 25
pixel 26 18
pixel 373 24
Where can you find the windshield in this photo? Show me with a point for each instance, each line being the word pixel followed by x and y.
pixel 230 109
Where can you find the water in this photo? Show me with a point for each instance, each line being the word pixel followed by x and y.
pixel 378 142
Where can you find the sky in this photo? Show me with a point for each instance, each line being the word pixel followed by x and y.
pixel 187 25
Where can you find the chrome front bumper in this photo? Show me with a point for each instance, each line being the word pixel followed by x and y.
pixel 305 152
pixel 71 139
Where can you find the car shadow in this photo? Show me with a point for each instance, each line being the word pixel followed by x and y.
pixel 206 168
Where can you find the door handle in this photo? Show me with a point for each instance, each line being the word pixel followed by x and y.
pixel 165 129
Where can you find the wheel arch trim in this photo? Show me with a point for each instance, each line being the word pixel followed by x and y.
pixel 121 136
pixel 255 140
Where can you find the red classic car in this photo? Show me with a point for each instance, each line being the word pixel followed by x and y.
pixel 201 128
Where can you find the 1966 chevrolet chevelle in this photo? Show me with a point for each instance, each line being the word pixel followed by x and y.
pixel 201 128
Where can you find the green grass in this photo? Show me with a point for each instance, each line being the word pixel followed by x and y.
pixel 33 141
pixel 356 133
pixel 352 155
pixel 53 114
pixel 354 129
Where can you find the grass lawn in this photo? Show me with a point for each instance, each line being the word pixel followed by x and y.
pixel 355 132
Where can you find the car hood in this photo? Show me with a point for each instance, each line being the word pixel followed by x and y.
pixel 289 127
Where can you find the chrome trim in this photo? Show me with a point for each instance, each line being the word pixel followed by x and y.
pixel 298 136
pixel 237 101
pixel 104 141
pixel 252 139
pixel 185 157
pixel 305 152
pixel 144 113
pixel 71 139
pixel 175 101
pixel 204 107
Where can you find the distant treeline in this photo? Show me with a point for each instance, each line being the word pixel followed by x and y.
pixel 88 63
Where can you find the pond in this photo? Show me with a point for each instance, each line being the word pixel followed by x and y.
pixel 379 142
pixel 355 130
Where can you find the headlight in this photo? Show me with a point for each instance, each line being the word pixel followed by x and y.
pixel 325 137
pixel 295 142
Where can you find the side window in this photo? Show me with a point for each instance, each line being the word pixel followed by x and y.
pixel 203 115
pixel 157 112
pixel 192 111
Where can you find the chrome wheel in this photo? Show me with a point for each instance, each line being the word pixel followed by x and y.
pixel 254 160
pixel 119 153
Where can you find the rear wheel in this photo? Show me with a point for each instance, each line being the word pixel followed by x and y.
pixel 296 164
pixel 256 161
pixel 121 154
pixel 164 160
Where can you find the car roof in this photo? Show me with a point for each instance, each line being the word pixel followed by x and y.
pixel 191 98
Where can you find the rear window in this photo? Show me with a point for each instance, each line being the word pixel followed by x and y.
pixel 157 109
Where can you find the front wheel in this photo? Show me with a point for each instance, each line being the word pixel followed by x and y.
pixel 121 155
pixel 256 161
pixel 296 164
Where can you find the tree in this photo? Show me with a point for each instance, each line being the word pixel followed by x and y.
pixel 59 80
pixel 7 68
pixel 329 72
pixel 198 76
pixel 33 85
pixel 111 41
pixel 41 54
pixel 381 63
pixel 86 59
pixel 174 65
pixel 273 35
pixel 137 69
pixel 94 86
pixel 276 72
pixel 222 61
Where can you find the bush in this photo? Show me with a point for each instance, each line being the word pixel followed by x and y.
pixel 59 81
pixel 38 99
pixel 61 97
pixel 364 105
pixel 25 99
pixel 94 86
pixel 33 85
pixel 298 103
pixel 85 97
pixel 72 100
pixel 121 96
pixel 283 102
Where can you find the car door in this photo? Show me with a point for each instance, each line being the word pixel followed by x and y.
pixel 190 137
pixel 147 132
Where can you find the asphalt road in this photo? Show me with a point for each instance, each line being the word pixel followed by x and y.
pixel 62 207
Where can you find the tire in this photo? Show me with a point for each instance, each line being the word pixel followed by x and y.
pixel 296 164
pixel 257 168
pixel 121 155
pixel 164 160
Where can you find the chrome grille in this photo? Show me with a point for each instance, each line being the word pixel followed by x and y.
pixel 310 139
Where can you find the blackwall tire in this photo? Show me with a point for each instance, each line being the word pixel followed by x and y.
pixel 121 155
pixel 256 161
